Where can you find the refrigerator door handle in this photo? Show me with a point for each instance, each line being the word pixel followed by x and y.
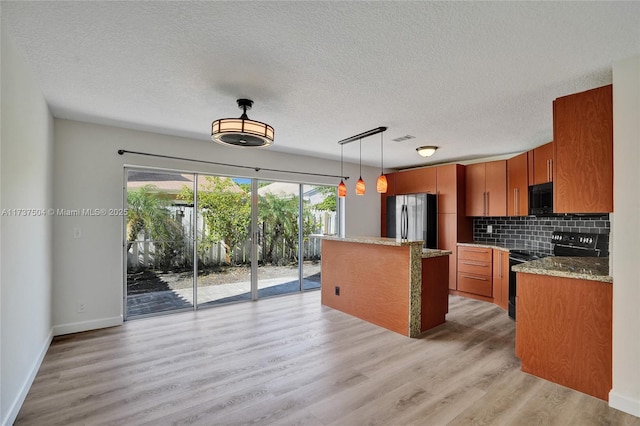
pixel 404 230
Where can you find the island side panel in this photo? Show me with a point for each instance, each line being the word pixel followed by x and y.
pixel 373 281
pixel 563 331
pixel 435 291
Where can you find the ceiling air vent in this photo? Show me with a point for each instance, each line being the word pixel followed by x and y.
pixel 403 138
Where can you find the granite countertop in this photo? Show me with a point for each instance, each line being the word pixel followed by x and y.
pixel 374 240
pixel 584 268
pixel 488 245
pixel 426 253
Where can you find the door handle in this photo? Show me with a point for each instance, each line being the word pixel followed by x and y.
pixel 515 201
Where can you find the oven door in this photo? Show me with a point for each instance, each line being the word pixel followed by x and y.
pixel 565 250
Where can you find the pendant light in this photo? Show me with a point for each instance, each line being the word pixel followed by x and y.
pixel 360 187
pixel 342 188
pixel 381 184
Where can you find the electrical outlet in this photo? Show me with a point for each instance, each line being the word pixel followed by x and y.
pixel 77 233
pixel 489 229
pixel 337 291
pixel 82 307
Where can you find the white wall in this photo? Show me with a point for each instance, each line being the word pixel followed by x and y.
pixel 625 395
pixel 25 287
pixel 88 174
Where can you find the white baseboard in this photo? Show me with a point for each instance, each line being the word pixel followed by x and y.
pixel 624 403
pixel 77 327
pixel 14 408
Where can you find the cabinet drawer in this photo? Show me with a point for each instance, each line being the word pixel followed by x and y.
pixel 478 254
pixel 475 284
pixel 475 267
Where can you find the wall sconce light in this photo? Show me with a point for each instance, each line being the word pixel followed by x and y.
pixel 426 151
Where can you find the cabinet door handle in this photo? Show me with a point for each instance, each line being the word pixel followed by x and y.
pixel 486 203
pixel 466 262
pixel 551 170
pixel 475 278
pixel 515 201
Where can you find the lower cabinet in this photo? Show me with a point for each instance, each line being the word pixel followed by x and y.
pixel 564 331
pixel 501 278
pixel 475 274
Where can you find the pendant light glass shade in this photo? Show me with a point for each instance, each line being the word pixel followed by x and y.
pixel 342 189
pixel 360 187
pixel 381 184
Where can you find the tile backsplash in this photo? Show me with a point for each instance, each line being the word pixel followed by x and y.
pixel 533 233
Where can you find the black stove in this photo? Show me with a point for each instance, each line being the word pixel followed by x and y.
pixel 580 244
pixel 516 257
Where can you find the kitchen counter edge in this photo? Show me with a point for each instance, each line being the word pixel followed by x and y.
pixel 582 268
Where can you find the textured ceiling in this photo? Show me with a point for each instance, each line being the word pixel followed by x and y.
pixel 474 78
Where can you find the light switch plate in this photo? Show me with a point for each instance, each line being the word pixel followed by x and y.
pixel 489 229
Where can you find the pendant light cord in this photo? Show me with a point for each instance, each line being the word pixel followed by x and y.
pixel 341 151
pixel 381 153
pixel 361 158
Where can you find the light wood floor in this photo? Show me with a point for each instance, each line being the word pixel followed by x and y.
pixel 291 361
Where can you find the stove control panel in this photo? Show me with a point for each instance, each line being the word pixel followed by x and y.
pixel 575 239
pixel 580 244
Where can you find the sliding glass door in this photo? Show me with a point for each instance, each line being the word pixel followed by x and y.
pixel 224 243
pixel 195 240
pixel 159 243
pixel 278 238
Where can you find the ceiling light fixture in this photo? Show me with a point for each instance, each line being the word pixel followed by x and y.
pixel 426 151
pixel 242 132
pixel 360 187
pixel 342 188
pixel 381 184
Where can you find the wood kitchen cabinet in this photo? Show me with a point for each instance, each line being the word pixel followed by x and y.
pixel 416 181
pixel 475 274
pixel 541 164
pixel 501 278
pixel 518 185
pixel 486 189
pixel 564 331
pixel 583 141
pixel 450 188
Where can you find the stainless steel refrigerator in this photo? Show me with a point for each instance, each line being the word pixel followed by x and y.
pixel 413 217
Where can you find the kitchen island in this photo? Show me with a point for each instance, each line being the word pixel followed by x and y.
pixel 389 282
pixel 564 325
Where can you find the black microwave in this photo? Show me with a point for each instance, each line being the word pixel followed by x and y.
pixel 541 199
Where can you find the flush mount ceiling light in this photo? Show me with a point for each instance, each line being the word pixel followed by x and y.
pixel 426 151
pixel 242 132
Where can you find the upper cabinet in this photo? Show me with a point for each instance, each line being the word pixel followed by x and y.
pixel 450 188
pixel 583 138
pixel 541 164
pixel 518 186
pixel 486 189
pixel 416 181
